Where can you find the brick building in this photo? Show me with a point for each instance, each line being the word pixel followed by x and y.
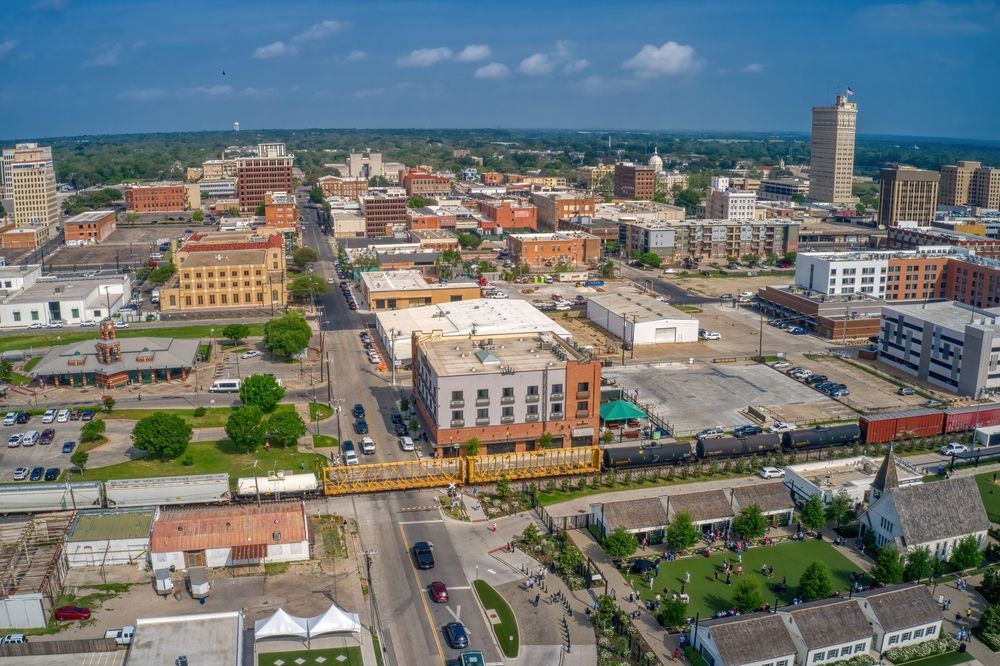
pixel 396 290
pixel 911 237
pixel 554 206
pixel 491 178
pixel 162 197
pixel 633 181
pixel 269 171
pixel 548 250
pixel 335 186
pixel 90 227
pixel 280 210
pixel 417 182
pixel 509 214
pixel 384 211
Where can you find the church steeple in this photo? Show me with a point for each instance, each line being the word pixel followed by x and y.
pixel 887 477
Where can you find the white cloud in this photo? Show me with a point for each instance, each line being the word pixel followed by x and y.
pixel 541 63
pixel 576 66
pixel 109 57
pixel 537 64
pixel 218 90
pixel 368 92
pixel 424 57
pixel 474 52
pixel 752 68
pixel 7 47
pixel 667 60
pixel 494 70
pixel 274 50
pixel 356 56
pixel 142 94
pixel 320 31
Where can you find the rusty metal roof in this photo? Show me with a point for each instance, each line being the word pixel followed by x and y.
pixel 229 527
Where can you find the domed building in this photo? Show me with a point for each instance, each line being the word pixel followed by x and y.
pixel 656 161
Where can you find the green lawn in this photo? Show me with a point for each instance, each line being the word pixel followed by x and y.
pixel 708 596
pixel 324 441
pixel 208 458
pixel 991 495
pixel 311 657
pixel 32 362
pixel 946 659
pixel 29 340
pixel 319 411
pixel 17 379
pixel 215 417
pixel 506 630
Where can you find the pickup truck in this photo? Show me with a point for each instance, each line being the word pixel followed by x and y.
pixel 121 636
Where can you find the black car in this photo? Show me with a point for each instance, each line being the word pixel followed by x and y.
pixel 88 415
pixel 816 379
pixel 397 417
pixel 52 473
pixel 36 473
pixel 401 430
pixel 361 427
pixel 358 411
pixel 455 634
pixel 23 417
pixel 747 430
pixel 423 553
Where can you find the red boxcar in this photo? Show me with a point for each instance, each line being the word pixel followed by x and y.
pixel 962 419
pixel 881 428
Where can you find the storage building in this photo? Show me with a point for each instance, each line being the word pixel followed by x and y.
pixel 639 319
pixel 109 538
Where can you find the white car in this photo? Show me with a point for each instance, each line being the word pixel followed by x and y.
pixel 562 307
pixel 54 324
pixel 952 448
pixel 780 365
pixel 62 416
pixel 250 353
pixel 781 426
pixel 706 334
pixel 10 418
pixel 367 445
pixel 373 357
pixel 37 325
pixel 20 474
pixel 498 294
pixel 772 473
pixel 15 440
pixel 49 416
pixel 88 322
pixel 406 443
pixel 121 324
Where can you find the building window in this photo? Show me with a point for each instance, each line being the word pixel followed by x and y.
pixel 583 387
pixel 556 408
pixel 845 651
pixel 906 636
pixel 860 647
pixel 917 633
pixel 482 394
pixel 818 657
pixel 532 410
pixel 508 392
pixel 508 412
pixel 483 413
pixel 557 389
pixel 457 415
pixel 173 301
pixel 457 396
pixel 225 299
pixel 893 639
pixel 260 297
pixel 831 654
pixel 582 405
pixel 201 300
pixel 17 316
pixel 187 300
pixel 533 390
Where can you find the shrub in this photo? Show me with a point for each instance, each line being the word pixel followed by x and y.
pixel 199 412
pixel 920 650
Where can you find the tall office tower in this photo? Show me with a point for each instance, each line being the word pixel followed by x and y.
pixel 984 188
pixel 831 168
pixel 955 181
pixel 270 171
pixel 31 182
pixel 907 194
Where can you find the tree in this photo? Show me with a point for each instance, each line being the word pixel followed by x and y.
pixel 888 568
pixel 197 215
pixel 815 582
pixel 472 447
pixel 236 332
pixel 750 259
pixel 245 427
pixel 990 587
pixel 288 335
pixel 682 533
pixel 162 274
pixel 6 369
pixel 966 553
pixel 620 543
pixel 317 195
pixel 606 269
pixel 109 403
pixel 451 257
pixel 303 256
pixel 841 508
pixel 790 257
pixel 261 391
pixel 545 440
pixel 233 211
pixel 284 428
pixel 416 201
pixel 606 610
pixel 689 199
pixel 307 286
pixel 503 487
pixel 379 181
pixel 80 459
pixel 260 210
pixel 989 621
pixel 468 241
pixel 92 431
pixel 751 523
pixel 651 259
pixel 672 613
pixel 531 534
pixel 570 559
pixel 813 516
pixel 747 596
pixel 161 435
pixel 920 565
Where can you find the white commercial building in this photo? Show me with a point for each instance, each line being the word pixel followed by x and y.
pixel 109 538
pixel 639 319
pixel 203 638
pixel 32 299
pixel 733 205
pixel 855 477
pixel 835 273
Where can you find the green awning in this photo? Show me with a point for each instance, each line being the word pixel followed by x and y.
pixel 621 410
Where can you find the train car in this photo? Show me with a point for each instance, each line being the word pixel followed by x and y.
pixel 720 447
pixel 646 455
pixel 40 497
pixel 768 442
pixel 279 484
pixel 161 491
pixel 881 428
pixel 822 437
pixel 964 419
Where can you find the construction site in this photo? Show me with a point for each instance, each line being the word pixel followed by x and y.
pixel 32 568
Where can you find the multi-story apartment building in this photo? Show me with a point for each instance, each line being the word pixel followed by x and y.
pixel 90 227
pixel 419 182
pixel 591 176
pixel 729 204
pixel 227 271
pixel 218 169
pixel 30 180
pixel 554 206
pixel 641 236
pixel 710 239
pixel 548 250
pixel 955 182
pixel 280 210
pixel 891 275
pixel 909 194
pixel 162 197
pixel 907 236
pixel 782 189
pixel 335 186
pixel 384 210
pixel 984 188
pixel 633 181
pixel 506 391
pixel 491 178
pixel 269 171
pixel 951 345
pixel 973 280
pixel 508 214
pixel 831 166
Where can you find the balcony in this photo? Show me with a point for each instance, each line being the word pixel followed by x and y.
pixel 457 423
pixel 583 395
pixel 557 396
pixel 507 400
pixel 457 403
pixel 556 416
pixel 531 418
pixel 482 402
pixel 582 413
pixel 532 397
pixel 506 419
pixel 482 422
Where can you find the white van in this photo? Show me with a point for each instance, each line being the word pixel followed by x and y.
pixel 225 386
pixel 30 438
pixel 350 453
pixel 367 445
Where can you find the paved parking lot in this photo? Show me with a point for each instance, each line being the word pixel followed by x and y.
pixel 867 391
pixel 50 455
pixel 702 395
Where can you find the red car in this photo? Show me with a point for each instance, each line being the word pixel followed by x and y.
pixel 72 613
pixel 439 591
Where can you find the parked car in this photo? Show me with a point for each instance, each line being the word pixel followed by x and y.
pixel 726 296
pixel 23 417
pixel 367 445
pixel 20 639
pixel 706 334
pixel 250 353
pixel 121 324
pixel 10 418
pixel 48 436
pixel 455 634
pixel 68 447
pixel 72 613
pixel 358 411
pixel 780 365
pixel 361 427
pixel 21 473
pixel 15 440
pixel 406 443
pixel 905 390
pixel 781 426
pixel 797 330
pixel 88 415
pixel 953 448
pixel 816 379
pixel 52 473
pixel 37 325
pixel 423 554
pixel 747 431
pixel 49 416
pixel 36 474
pixel 709 433
pixel 62 416
pixel 439 592
pixel 772 473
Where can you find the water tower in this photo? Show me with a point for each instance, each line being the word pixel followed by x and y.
pixel 236 126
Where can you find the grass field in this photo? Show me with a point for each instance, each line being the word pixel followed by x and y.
pixel 506 629
pixel 208 458
pixel 708 596
pixel 333 657
pixel 215 417
pixel 45 339
pixel 32 362
pixel 319 411
pixel 323 441
pixel 991 495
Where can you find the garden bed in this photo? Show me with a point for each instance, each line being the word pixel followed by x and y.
pixel 920 651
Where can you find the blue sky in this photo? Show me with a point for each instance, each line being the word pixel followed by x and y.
pixel 112 66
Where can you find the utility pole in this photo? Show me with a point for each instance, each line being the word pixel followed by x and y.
pixel 760 339
pixel 392 353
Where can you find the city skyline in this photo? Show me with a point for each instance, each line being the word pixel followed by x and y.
pixel 98 68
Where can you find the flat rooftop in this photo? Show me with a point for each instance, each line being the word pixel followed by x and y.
pixel 949 314
pixel 552 236
pixel 204 638
pixel 66 290
pixel 118 525
pixel 434 234
pixel 405 281
pixel 497 354
pixel 229 258
pixel 18 271
pixel 643 307
pixel 89 217
pixel 856 472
